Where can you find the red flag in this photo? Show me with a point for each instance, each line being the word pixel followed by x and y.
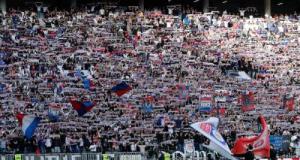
pixel 149 99
pixel 222 111
pixel 19 117
pixel 260 143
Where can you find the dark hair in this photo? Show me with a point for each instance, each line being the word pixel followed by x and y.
pixel 250 147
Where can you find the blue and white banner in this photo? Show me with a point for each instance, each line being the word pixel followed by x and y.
pixel 277 142
pixel 205 104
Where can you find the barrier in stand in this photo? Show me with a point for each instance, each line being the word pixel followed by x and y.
pixel 202 155
pixel 75 156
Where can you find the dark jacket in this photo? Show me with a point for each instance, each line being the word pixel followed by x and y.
pixel 273 154
pixel 249 155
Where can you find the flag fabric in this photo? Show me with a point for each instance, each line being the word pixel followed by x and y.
pixel 29 123
pixel 59 89
pixel 163 120
pixel 209 129
pixel 147 107
pixel 78 73
pixel 186 21
pixel 88 84
pixel 247 101
pixel 149 99
pixel 82 107
pixel 160 121
pixel 53 112
pixel 222 111
pixel 289 103
pixel 205 105
pixel 183 91
pixel 260 143
pixel 19 117
pixel 121 89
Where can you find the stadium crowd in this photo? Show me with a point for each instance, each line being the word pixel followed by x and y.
pixel 171 62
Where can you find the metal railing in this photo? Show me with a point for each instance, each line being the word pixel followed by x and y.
pixel 192 156
pixel 76 156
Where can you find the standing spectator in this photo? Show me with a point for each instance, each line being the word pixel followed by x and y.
pixel 249 154
pixel 68 143
pixel 48 144
pixel 3 143
pixel 93 147
pixel 273 153
pixel 42 145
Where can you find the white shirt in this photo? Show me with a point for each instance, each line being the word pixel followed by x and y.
pixel 242 12
pixel 133 147
pixel 81 142
pixel 170 11
pixel 48 142
pixel 142 148
pixel 2 143
pixel 93 148
pixel 68 141
pixel 102 11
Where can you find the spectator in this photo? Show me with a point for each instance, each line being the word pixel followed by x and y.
pixel 249 154
pixel 273 153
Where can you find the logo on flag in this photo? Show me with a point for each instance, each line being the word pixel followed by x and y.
pixel 206 127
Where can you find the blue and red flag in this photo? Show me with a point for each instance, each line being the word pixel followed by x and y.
pixel 29 123
pixel 121 89
pixel 183 91
pixel 88 84
pixel 82 107
pixel 247 101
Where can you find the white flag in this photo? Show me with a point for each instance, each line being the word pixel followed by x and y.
pixel 217 143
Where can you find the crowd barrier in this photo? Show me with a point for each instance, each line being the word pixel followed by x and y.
pixel 114 156
pixel 109 156
pixel 74 156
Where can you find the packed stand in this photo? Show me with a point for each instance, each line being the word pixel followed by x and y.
pixel 170 62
